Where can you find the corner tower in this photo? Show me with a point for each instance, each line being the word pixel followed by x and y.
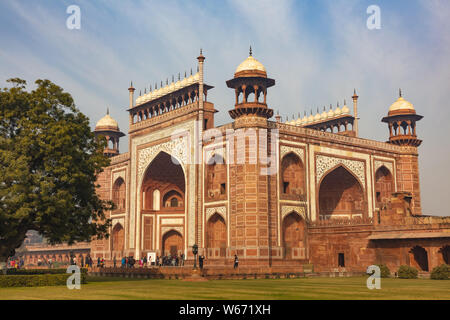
pixel 402 120
pixel 109 128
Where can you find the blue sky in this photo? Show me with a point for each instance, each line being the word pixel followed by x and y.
pixel 317 51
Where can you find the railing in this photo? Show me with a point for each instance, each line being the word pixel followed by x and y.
pixel 344 139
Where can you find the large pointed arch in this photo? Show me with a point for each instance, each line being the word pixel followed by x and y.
pixel 167 177
pixel 341 195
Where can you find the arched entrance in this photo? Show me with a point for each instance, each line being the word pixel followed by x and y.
pixel 341 196
pixel 419 257
pixel 118 236
pixel 163 193
pixel 166 178
pixel 216 236
pixel 172 243
pixel 445 251
pixel 384 186
pixel 294 236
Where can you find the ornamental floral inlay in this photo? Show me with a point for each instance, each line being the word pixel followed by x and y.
pixel 285 210
pixel 164 230
pixel 220 210
pixel 378 164
pixel 178 148
pixel 324 163
pixel 298 151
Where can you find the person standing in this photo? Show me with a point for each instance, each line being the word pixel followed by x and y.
pixel 98 262
pixel 236 261
pixel 82 262
pixel 200 261
pixel 114 261
pixel 182 259
pixel 145 261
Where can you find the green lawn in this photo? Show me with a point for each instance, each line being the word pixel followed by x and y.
pixel 304 288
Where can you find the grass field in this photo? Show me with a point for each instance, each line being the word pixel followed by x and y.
pixel 261 289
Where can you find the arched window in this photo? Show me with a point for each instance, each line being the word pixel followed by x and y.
pixel 341 195
pixel 172 199
pixel 384 186
pixel 119 194
pixel 156 199
pixel 174 202
pixel 118 236
pixel 216 179
pixel 292 177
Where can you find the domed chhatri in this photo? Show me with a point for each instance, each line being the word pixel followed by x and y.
pixel 107 123
pixel 251 78
pixel 250 67
pixel 109 128
pixel 401 121
pixel 401 106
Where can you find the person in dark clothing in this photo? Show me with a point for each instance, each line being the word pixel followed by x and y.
pixel 114 261
pixel 144 261
pixel 98 262
pixel 200 261
pixel 82 262
pixel 182 259
pixel 236 261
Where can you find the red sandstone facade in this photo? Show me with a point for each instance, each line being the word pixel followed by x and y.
pixel 276 194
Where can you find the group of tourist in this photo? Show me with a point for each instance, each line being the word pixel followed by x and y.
pixel 16 263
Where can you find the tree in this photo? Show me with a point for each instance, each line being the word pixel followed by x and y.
pixel 49 163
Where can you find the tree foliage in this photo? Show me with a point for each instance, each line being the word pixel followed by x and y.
pixel 49 163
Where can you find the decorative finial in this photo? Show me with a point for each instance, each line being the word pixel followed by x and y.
pixel 317 109
pixel 140 92
pixel 354 91
pixel 167 81
pixel 172 78
pixel 400 93
pixel 191 71
pixel 323 108
pixel 304 113
pixel 107 110
pixel 250 51
pixel 345 103
pixel 338 104
pixel 156 85
pixel 178 76
pixel 145 90
pixel 161 84
pixel 131 86
pixel 185 74
pixel 201 51
pixel 331 107
pixel 150 88
pixel 198 69
pixel 278 113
